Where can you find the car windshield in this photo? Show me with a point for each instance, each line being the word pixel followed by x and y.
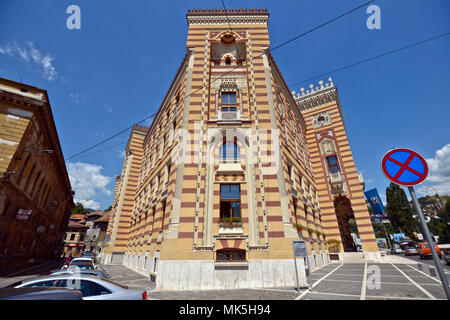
pixel 115 283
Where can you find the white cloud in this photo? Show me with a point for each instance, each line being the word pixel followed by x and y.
pixel 89 183
pixel 30 54
pixel 438 173
pixel 122 154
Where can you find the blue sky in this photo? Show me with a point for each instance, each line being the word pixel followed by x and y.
pixel 116 70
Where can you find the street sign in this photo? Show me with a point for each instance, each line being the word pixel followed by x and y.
pixel 404 167
pixel 300 251
pixel 408 168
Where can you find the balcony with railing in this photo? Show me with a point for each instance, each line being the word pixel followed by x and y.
pixel 229 116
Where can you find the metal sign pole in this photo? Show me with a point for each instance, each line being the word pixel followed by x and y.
pixel 430 242
pixel 296 272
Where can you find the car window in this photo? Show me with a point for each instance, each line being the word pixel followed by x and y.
pixel 48 283
pixel 87 288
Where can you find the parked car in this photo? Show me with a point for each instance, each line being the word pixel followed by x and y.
pixel 74 269
pixel 89 254
pixel 410 251
pixel 424 251
pixel 40 293
pixel 83 260
pixel 79 265
pixel 396 250
pixel 447 257
pixel 91 287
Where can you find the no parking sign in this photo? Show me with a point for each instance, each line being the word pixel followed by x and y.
pixel 404 167
pixel 407 168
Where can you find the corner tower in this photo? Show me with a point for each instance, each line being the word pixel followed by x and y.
pixel 340 186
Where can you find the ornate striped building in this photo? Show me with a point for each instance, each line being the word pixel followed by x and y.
pixel 233 168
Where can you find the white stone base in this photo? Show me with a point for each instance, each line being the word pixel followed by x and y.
pixel 180 275
pixel 176 275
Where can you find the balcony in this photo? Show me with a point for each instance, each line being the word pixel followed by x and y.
pixel 335 178
pixel 230 166
pixel 229 116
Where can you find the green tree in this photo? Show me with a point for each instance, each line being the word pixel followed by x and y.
pixel 440 226
pixel 399 211
pixel 79 209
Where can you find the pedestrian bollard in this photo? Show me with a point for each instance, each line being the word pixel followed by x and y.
pixel 420 266
pixel 432 272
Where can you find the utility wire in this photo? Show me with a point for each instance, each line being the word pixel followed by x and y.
pixel 111 137
pixel 371 58
pixel 103 149
pixel 247 60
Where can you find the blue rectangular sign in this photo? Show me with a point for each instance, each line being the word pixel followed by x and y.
pixel 375 201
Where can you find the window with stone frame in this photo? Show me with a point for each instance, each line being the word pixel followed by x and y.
pixel 230 202
pixel 229 151
pixel 332 164
pixel 231 255
pixel 229 101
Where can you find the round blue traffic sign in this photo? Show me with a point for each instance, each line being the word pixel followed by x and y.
pixel 404 167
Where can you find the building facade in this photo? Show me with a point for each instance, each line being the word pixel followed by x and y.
pixel 35 193
pixel 97 222
pixel 229 173
pixel 74 241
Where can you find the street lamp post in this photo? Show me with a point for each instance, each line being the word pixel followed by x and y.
pixel 35 149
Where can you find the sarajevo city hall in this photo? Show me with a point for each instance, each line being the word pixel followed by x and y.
pixel 234 167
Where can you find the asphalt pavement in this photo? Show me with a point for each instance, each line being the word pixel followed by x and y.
pixel 335 281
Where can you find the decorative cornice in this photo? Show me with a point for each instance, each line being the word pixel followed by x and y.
pixel 316 97
pixel 229 16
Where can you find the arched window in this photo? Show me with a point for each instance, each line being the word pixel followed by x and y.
pixel 228 61
pixel 229 151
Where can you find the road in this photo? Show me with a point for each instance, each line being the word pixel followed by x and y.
pixel 429 263
pixel 30 272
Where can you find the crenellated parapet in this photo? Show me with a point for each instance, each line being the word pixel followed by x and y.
pixel 140 128
pixel 316 95
pixel 228 16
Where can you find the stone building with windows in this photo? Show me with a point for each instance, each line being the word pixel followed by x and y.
pixel 36 199
pixel 233 168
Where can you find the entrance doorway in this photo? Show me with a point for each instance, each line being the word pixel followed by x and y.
pixel 347 224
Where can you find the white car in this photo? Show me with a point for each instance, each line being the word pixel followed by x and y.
pixel 85 260
pixel 91 287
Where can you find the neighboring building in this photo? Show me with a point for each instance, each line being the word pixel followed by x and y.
pixel 234 168
pixel 35 194
pixel 97 222
pixel 74 239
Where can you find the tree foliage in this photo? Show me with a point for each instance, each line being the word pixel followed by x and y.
pixel 440 226
pixel 79 209
pixel 400 212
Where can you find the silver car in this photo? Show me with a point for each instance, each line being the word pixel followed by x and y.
pixel 73 270
pixel 91 287
pixel 410 251
pixel 39 293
